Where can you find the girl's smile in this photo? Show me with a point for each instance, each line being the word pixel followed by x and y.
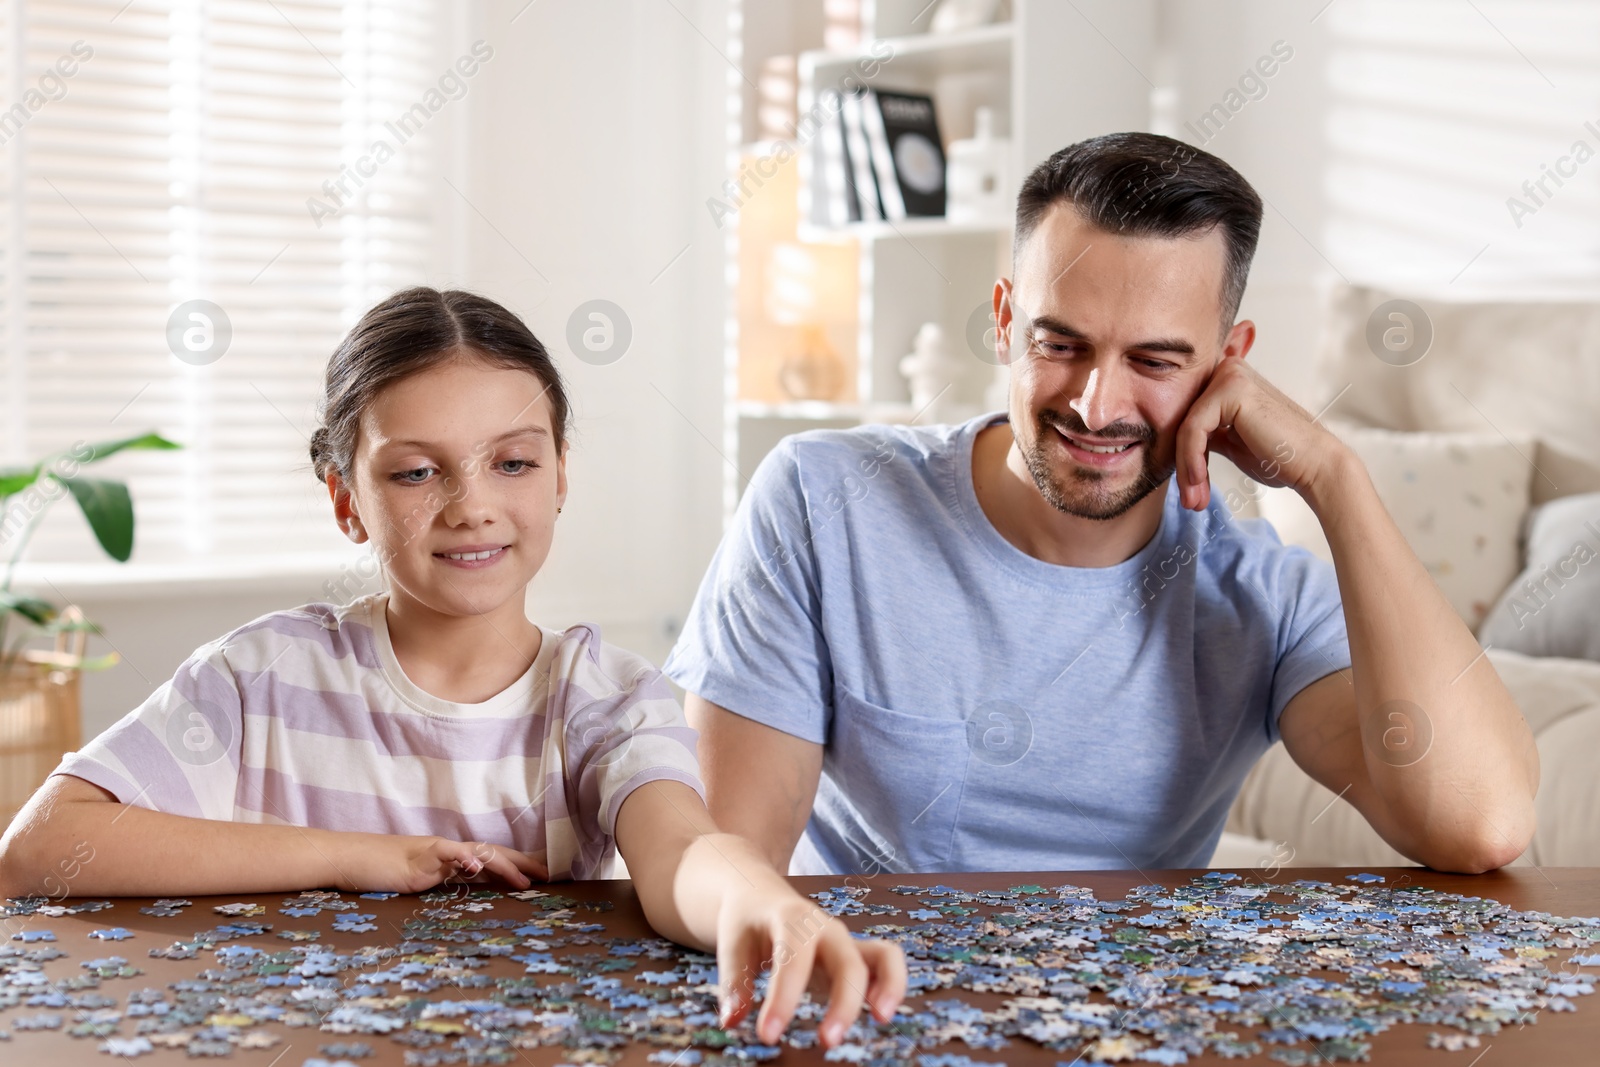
pixel 473 557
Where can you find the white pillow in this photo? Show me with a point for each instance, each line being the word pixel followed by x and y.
pixel 1458 499
pixel 1553 607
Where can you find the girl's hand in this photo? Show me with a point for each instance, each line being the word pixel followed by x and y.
pixel 771 923
pixel 709 889
pixel 413 864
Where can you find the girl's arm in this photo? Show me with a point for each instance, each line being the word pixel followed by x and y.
pixel 74 838
pixel 715 892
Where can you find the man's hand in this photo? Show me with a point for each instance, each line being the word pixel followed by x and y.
pixel 413 864
pixel 1265 434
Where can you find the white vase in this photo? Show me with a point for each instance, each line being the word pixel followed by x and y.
pixel 978 188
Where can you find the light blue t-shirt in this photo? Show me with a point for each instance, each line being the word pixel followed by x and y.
pixel 983 709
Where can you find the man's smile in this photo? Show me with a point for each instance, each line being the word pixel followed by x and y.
pixel 1092 451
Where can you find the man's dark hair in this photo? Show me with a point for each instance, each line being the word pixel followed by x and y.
pixel 1146 185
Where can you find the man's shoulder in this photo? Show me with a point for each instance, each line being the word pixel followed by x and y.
pixel 871 448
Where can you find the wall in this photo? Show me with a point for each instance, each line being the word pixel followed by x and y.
pixel 591 153
pixel 1277 142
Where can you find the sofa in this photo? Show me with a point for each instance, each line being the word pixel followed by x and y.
pixel 1480 423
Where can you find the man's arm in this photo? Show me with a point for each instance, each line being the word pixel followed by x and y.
pixel 1466 802
pixel 760 782
pixel 1431 747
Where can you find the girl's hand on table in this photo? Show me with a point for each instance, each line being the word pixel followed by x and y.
pixel 413 864
pixel 806 948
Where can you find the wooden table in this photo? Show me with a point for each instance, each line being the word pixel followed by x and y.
pixel 1557 1038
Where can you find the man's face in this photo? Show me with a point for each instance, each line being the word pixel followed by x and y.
pixel 1111 339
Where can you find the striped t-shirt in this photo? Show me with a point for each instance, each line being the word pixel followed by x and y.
pixel 305 717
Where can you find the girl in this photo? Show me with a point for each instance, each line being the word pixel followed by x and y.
pixel 419 733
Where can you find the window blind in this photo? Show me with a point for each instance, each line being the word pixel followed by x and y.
pixel 201 151
pixel 1445 118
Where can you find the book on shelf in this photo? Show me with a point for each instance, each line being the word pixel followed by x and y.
pixel 840 206
pixel 908 157
pixel 894 203
pixel 860 172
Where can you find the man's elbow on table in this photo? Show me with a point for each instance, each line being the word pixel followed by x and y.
pixel 1482 843
pixel 1500 832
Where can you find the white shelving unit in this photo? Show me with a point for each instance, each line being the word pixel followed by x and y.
pixel 1054 72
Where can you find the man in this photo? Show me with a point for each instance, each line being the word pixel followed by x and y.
pixel 1037 641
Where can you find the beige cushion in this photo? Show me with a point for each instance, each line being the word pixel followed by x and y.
pixel 1569 792
pixel 1458 498
pixel 1508 368
pixel 1239 850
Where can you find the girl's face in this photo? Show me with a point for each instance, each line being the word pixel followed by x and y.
pixel 456 482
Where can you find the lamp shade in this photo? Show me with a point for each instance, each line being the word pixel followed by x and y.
pixel 810 283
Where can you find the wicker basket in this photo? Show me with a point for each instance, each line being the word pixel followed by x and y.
pixel 40 713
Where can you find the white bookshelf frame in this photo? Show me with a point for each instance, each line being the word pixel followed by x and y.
pixel 1062 71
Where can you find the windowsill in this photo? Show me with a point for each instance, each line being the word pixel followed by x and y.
pixel 107 580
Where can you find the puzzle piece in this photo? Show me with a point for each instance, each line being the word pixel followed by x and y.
pixel 240 911
pixel 347 1050
pixel 127 1047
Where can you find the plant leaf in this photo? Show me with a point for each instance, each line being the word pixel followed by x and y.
pixel 15 481
pixel 60 625
pixel 68 662
pixel 109 448
pixel 39 612
pixel 98 663
pixel 109 509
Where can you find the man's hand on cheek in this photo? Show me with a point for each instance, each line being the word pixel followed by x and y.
pixel 1260 430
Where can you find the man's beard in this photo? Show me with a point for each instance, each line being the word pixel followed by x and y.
pixel 1084 492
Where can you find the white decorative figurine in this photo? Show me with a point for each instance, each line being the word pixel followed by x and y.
pixel 934 374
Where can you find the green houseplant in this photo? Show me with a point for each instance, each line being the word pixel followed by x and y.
pixel 25 495
pixel 40 706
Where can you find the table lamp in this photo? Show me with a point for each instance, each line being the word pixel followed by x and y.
pixel 809 288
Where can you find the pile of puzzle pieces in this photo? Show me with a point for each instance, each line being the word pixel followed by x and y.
pixel 1304 972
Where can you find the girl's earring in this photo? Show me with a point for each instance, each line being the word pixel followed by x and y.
pixel 558 511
